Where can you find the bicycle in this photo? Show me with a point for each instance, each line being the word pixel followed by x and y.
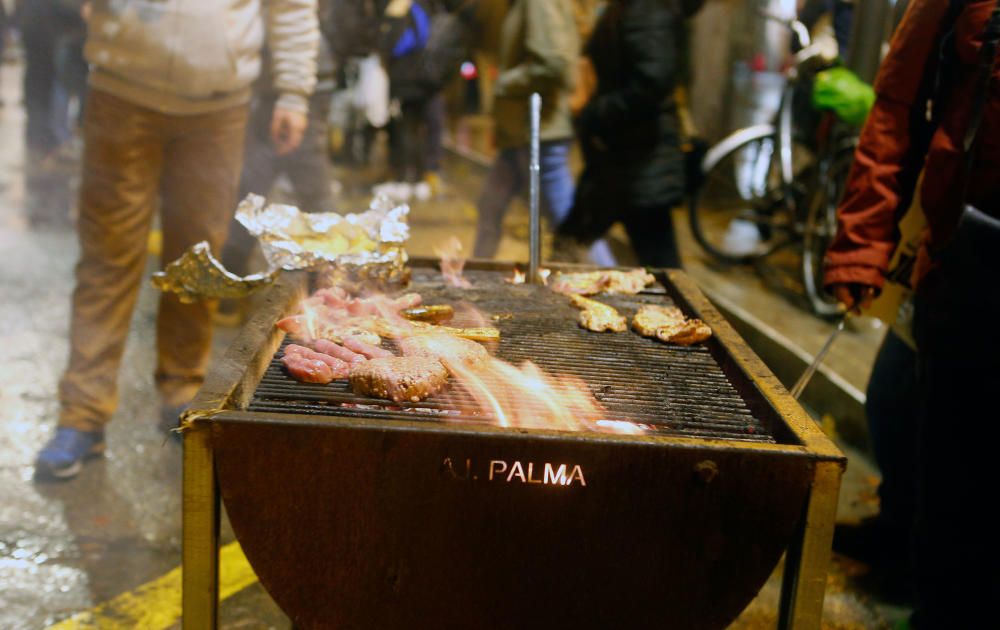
pixel 763 189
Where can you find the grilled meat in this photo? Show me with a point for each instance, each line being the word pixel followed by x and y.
pixel 651 318
pixel 453 352
pixel 668 324
pixel 606 281
pixel 692 331
pixel 338 351
pixel 323 327
pixel 399 379
pixel 434 313
pixel 597 316
pixel 313 367
pixel 360 346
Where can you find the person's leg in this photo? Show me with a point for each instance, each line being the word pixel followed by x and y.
pixel 434 116
pixel 121 169
pixel 651 231
pixel 891 405
pixel 556 180
pixel 413 140
pixel 38 42
pixel 956 551
pixel 200 177
pixel 308 167
pixel 260 164
pixel 502 183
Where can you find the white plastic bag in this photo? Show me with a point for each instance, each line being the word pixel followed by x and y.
pixel 372 93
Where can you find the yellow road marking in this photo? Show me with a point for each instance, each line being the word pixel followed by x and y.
pixel 157 604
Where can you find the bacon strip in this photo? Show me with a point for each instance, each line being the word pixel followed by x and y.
pixel 337 368
pixel 370 351
pixel 338 351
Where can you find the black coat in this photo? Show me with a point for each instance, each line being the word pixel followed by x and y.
pixel 628 129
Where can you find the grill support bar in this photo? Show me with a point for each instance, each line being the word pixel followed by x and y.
pixel 200 578
pixel 803 583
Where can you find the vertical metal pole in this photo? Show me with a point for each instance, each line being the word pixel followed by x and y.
pixel 535 251
pixel 803 584
pixel 200 576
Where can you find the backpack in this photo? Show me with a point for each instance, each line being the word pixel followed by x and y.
pixel 428 53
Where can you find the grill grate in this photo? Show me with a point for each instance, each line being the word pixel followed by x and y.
pixel 679 391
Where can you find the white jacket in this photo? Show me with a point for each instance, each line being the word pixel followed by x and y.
pixel 197 56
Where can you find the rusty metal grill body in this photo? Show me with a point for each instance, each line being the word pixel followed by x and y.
pixel 359 514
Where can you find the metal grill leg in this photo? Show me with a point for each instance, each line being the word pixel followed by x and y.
pixel 804 582
pixel 201 531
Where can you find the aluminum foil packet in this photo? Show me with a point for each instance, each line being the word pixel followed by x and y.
pixel 199 275
pixel 292 239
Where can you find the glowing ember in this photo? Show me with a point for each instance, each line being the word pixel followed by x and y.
pixel 452 262
pixel 622 426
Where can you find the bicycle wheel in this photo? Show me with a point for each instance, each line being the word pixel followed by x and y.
pixel 741 213
pixel 821 227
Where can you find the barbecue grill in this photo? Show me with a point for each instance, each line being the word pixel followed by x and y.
pixel 360 514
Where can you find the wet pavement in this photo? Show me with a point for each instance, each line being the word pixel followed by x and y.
pixel 66 548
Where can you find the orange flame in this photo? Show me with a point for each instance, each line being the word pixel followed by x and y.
pixel 517 278
pixel 528 397
pixel 523 396
pixel 452 262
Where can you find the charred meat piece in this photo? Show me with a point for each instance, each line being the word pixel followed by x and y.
pixel 607 281
pixel 433 313
pixel 597 316
pixel 668 324
pixel 453 352
pixel 399 379
pixel 361 346
pixel 338 351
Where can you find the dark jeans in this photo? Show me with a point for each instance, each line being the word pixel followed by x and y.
pixel 651 231
pixel 957 551
pixel 892 406
pixel 409 141
pixel 39 37
pixel 508 177
pixel 435 116
pixel 307 167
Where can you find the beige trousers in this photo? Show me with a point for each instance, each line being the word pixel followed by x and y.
pixel 133 158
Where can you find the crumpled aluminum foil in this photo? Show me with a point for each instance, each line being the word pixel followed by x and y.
pixel 198 274
pixel 292 239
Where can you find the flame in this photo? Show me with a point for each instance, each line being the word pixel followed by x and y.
pixel 517 278
pixel 526 396
pixel 452 262
pixel 515 396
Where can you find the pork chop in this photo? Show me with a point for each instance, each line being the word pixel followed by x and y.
pixel 399 379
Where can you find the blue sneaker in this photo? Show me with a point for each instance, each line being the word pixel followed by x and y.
pixel 62 457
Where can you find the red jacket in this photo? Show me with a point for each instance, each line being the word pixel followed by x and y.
pixel 867 234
